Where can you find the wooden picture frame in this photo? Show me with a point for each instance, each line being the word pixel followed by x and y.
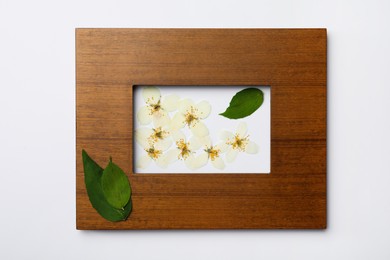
pixel 293 62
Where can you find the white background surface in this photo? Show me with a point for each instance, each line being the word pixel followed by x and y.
pixel 219 98
pixel 37 124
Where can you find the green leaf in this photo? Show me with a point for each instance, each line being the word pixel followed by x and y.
pixel 92 176
pixel 115 185
pixel 244 103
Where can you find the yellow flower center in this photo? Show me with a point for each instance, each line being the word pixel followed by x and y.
pixel 239 142
pixel 184 149
pixel 158 134
pixel 190 117
pixel 153 153
pixel 154 107
pixel 212 152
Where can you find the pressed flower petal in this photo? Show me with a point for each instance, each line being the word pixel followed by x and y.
pixel 190 162
pixel 163 144
pixel 201 160
pixel 141 136
pixel 226 135
pixel 161 119
pixel 144 117
pixel 203 109
pixel 185 105
pixel 242 129
pixel 204 141
pixel 170 102
pixel 218 163
pixel 231 155
pixel 161 162
pixel 177 122
pixel 251 148
pixel 151 95
pixel 166 129
pixel 143 161
pixel 171 155
pixel 199 129
pixel 222 147
pixel 178 135
pixel 194 143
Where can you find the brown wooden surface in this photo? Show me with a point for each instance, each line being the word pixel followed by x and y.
pixel 291 61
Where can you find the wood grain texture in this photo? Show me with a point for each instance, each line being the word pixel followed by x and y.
pixel 292 61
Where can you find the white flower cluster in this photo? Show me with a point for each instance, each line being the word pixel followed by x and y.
pixel 158 139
